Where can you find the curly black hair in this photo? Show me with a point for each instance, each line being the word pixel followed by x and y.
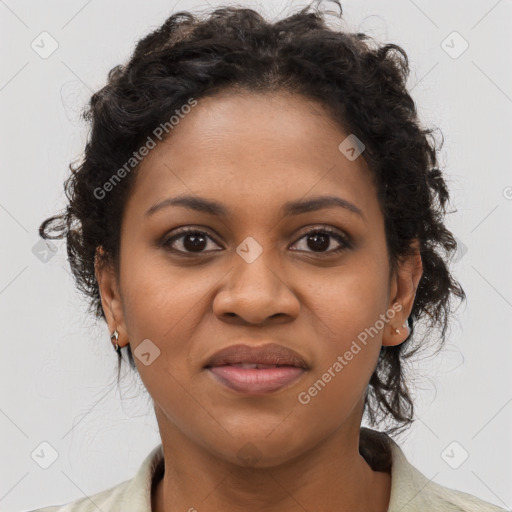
pixel 361 83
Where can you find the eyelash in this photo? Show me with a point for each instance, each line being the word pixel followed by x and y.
pixel 339 237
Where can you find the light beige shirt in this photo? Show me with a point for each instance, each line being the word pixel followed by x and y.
pixel 411 491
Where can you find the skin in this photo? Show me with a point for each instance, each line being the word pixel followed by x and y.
pixel 254 152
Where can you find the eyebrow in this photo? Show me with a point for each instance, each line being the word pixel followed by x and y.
pixel 208 206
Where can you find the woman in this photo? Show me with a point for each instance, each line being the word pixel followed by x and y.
pixel 259 220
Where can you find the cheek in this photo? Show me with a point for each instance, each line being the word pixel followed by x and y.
pixel 160 299
pixel 165 308
pixel 348 311
pixel 350 302
pixel 347 356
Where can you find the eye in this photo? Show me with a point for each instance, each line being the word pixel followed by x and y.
pixel 320 239
pixel 195 241
pixel 189 240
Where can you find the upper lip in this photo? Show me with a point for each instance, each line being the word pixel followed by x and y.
pixel 270 353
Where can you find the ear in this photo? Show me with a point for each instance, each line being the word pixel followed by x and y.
pixel 404 284
pixel 110 295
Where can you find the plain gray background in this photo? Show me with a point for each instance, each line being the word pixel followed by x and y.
pixel 58 368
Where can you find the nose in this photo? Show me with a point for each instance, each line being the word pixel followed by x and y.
pixel 255 293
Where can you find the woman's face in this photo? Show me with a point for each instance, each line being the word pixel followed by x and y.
pixel 250 274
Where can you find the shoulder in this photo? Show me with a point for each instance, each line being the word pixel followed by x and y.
pixel 104 500
pixel 411 491
pixel 451 500
pixel 129 496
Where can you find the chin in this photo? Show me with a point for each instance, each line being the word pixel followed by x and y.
pixel 259 450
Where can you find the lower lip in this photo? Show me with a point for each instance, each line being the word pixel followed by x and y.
pixel 254 381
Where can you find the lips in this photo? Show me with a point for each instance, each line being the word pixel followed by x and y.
pixel 256 370
pixel 263 356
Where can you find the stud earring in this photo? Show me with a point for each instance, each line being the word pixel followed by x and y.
pixel 397 329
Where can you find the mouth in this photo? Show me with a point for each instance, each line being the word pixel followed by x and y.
pixel 256 370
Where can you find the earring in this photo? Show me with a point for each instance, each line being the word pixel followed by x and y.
pixel 405 326
pixel 115 335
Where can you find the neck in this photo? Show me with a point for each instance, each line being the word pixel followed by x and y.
pixel 332 476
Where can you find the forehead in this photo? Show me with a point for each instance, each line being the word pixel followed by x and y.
pixel 259 149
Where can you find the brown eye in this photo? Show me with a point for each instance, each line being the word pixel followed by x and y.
pixel 189 241
pixel 320 240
